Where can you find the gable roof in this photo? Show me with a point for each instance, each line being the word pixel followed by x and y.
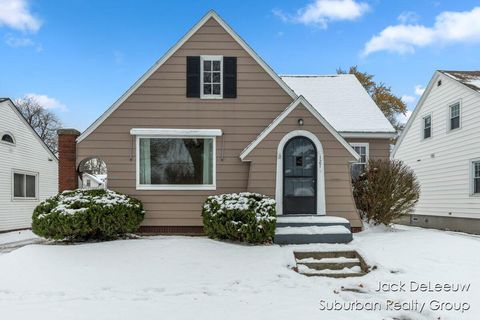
pixel 470 79
pixel 11 104
pixel 342 100
pixel 284 114
pixel 210 15
pixel 450 75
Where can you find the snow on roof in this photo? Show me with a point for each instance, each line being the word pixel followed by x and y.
pixel 341 100
pixel 469 78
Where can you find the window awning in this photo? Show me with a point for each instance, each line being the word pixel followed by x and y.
pixel 163 132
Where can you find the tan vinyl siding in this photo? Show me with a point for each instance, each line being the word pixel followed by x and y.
pixel 338 194
pixel 377 148
pixel 160 102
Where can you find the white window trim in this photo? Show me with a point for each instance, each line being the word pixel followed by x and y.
pixel 30 173
pixel 367 150
pixel 471 176
pixel 211 96
pixel 6 142
pixel 139 186
pixel 163 132
pixel 449 115
pixel 423 126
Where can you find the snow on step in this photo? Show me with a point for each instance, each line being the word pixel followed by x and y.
pixel 328 260
pixel 304 269
pixel 312 219
pixel 310 230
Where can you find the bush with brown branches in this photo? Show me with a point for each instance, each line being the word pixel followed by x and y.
pixel 385 191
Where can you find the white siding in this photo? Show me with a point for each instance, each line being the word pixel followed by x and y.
pixel 28 154
pixel 442 162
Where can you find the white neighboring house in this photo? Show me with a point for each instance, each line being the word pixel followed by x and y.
pixel 441 143
pixel 28 170
pixel 94 181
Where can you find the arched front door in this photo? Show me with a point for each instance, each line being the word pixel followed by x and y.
pixel 299 176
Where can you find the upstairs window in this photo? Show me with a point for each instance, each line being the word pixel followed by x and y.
pixel 358 167
pixel 455 116
pixel 6 137
pixel 427 127
pixel 24 185
pixel 211 76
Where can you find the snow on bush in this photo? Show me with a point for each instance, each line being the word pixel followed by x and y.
pixel 246 217
pixel 87 214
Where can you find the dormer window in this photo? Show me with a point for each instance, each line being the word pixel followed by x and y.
pixel 8 138
pixel 211 75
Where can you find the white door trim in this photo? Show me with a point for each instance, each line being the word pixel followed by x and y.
pixel 320 170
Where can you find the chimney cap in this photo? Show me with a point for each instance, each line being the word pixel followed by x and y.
pixel 68 131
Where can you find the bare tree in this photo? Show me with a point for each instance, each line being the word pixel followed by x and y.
pixel 94 166
pixel 44 122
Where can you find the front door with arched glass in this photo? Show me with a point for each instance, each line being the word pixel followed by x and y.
pixel 299 176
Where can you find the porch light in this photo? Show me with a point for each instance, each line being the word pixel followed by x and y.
pixel 300 122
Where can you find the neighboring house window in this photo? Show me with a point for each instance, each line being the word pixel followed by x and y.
pixel 358 167
pixel 455 116
pixel 24 185
pixel 476 177
pixel 176 163
pixel 427 127
pixel 89 183
pixel 8 138
pixel 211 70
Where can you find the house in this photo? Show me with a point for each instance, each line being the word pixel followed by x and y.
pixel 212 117
pixel 93 181
pixel 441 143
pixel 29 169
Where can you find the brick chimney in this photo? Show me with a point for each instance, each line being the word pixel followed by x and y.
pixel 67 158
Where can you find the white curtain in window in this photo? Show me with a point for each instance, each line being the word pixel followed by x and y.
pixel 145 169
pixel 208 162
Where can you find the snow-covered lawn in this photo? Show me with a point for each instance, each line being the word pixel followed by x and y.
pixel 197 278
pixel 17 236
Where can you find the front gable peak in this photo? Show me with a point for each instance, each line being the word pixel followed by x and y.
pixel 206 18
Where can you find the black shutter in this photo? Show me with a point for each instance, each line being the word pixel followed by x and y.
pixel 229 77
pixel 193 77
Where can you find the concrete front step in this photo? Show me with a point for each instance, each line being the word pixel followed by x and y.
pixel 325 254
pixel 311 220
pixel 330 265
pixel 304 229
pixel 334 275
pixel 334 264
pixel 313 234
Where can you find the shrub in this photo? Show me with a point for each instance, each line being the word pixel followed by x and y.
pixel 385 191
pixel 87 215
pixel 246 217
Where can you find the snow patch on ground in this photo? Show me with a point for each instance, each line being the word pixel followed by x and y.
pixel 16 236
pixel 184 277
